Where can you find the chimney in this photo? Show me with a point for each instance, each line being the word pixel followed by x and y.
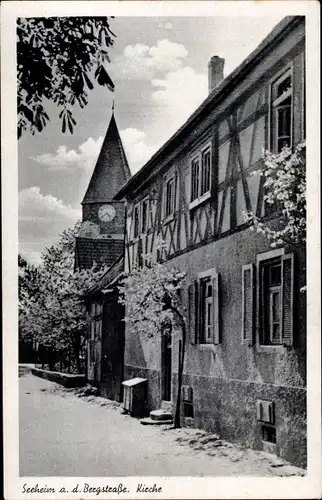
pixel 215 72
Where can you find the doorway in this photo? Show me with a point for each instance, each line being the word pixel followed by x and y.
pixel 166 362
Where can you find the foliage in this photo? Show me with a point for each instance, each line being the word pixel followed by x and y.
pixel 285 191
pixel 51 310
pixel 148 293
pixel 152 299
pixel 59 59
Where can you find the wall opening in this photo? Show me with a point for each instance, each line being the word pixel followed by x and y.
pixel 269 434
pixel 188 409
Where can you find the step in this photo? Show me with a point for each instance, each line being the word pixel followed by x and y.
pixel 149 421
pixel 160 415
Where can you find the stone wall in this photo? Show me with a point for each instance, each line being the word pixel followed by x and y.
pixel 65 379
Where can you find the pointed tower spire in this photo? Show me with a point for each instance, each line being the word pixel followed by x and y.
pixel 111 171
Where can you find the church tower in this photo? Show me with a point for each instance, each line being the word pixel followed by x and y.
pixel 101 236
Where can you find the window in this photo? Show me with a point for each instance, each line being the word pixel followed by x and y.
pixel 205 172
pixel 187 400
pixel 270 302
pixel 203 297
pixel 145 213
pixel 269 433
pixel 136 221
pixel 169 198
pixel 201 174
pixel 274 289
pixel 281 112
pixel 194 179
pixel 206 317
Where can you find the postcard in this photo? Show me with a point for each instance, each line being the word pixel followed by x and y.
pixel 161 283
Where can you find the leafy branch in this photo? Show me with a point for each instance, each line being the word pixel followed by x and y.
pixel 59 59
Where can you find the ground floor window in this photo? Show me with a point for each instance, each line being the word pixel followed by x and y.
pixel 204 308
pixel 267 299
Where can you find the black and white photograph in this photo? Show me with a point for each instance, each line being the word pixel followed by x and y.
pixel 161 249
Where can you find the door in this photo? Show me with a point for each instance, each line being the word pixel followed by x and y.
pixel 166 360
pixel 112 361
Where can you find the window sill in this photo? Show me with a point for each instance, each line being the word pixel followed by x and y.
pixel 271 349
pixel 199 200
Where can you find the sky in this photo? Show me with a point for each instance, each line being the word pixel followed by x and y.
pixel 159 68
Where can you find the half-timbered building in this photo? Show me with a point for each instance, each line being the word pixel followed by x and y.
pixel 245 365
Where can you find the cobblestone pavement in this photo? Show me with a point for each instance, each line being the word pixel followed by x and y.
pixel 66 432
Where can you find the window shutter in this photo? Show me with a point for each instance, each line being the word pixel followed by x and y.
pixel 215 291
pixel 287 298
pixel 193 312
pixel 248 304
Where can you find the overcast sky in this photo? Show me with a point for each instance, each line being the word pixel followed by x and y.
pixel 159 67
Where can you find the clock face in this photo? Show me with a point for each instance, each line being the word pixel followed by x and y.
pixel 106 213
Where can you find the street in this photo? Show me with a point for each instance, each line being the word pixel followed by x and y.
pixel 62 434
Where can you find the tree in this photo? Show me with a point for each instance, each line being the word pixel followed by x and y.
pixel 285 191
pixel 59 59
pixel 51 308
pixel 28 291
pixel 152 300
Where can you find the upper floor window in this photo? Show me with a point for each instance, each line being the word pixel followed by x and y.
pixel 145 211
pixel 195 179
pixel 201 173
pixel 136 221
pixel 169 198
pixel 281 108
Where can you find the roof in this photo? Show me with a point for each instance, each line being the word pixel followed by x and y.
pixel 111 275
pixel 101 251
pixel 111 170
pixel 273 38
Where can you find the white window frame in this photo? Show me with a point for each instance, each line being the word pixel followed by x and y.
pixel 272 291
pixel 260 259
pixel 208 325
pixel 203 341
pixel 273 120
pixel 148 220
pixel 199 156
pixel 169 178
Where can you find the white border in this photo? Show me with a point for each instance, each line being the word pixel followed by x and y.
pixel 175 487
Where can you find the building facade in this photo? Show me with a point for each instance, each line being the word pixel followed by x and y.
pixel 245 364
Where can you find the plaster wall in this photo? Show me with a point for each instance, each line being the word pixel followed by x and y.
pixel 228 378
